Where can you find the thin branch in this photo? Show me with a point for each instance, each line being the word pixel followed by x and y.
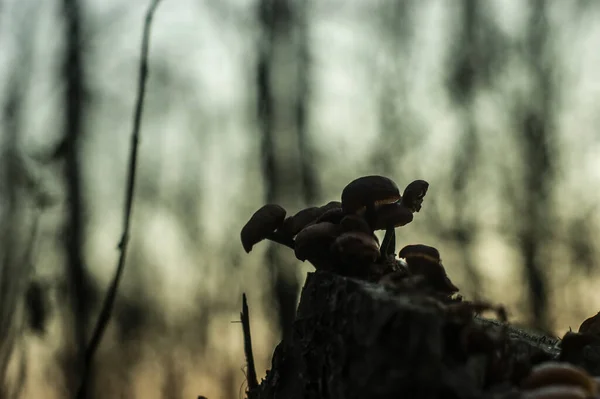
pixel 251 372
pixel 109 300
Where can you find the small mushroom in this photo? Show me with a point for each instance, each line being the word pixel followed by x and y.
pixel 313 244
pixel 392 215
pixel 559 373
pixel 331 205
pixel 425 260
pixel 356 250
pixel 388 217
pixel 293 224
pixel 574 345
pixel 263 223
pixel 556 392
pixel 413 195
pixel 333 215
pixel 355 223
pixel 591 325
pixel 420 250
pixel 365 193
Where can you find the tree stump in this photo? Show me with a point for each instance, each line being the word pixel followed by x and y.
pixel 354 339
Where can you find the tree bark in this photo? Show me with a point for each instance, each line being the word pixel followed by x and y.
pixel 353 339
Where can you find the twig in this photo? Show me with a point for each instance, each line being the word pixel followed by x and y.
pixel 109 299
pixel 251 372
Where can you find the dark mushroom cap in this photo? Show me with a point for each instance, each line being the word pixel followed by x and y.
pixel 334 215
pixel 315 240
pixel 392 215
pixel 293 224
pixel 556 392
pixel 357 247
pixel 420 251
pixel 331 205
pixel 263 222
pixel 573 345
pixel 413 195
pixel 559 373
pixel 369 190
pixel 591 325
pixel 434 272
pixel 355 223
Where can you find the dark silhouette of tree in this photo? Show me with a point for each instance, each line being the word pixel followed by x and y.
pixel 468 71
pixel 535 136
pixel 277 20
pixel 21 202
pixel 79 283
pixel 310 186
pixel 395 27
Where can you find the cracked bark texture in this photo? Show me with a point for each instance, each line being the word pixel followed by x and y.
pixel 352 339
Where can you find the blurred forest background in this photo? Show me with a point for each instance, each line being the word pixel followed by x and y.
pixel 495 103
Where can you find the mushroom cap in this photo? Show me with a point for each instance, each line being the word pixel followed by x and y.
pixel 369 190
pixel 293 224
pixel 315 240
pixel 420 251
pixel 263 222
pixel 413 195
pixel 559 373
pixel 331 205
pixel 433 270
pixel 556 392
pixel 333 215
pixel 357 247
pixel 591 325
pixel 355 223
pixel 392 215
pixel 573 345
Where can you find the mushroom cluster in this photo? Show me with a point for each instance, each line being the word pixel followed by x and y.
pixel 340 236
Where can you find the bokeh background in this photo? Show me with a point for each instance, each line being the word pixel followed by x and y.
pixel 495 103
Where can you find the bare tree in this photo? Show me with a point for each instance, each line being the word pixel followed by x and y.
pixel 470 62
pixel 394 23
pixel 535 136
pixel 310 187
pixel 18 186
pixel 276 21
pixel 73 75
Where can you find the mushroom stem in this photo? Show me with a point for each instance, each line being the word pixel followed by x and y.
pixel 371 215
pixel 388 246
pixel 281 239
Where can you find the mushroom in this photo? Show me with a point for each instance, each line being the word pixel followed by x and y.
pixel 332 212
pixel 413 195
pixel 331 205
pixel 356 250
pixel 420 250
pixel 355 223
pixel 262 224
pixel 556 392
pixel 365 193
pixel 293 224
pixel 313 244
pixel 425 260
pixel 388 217
pixel 574 344
pixel 559 373
pixel 591 325
pixel 333 215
